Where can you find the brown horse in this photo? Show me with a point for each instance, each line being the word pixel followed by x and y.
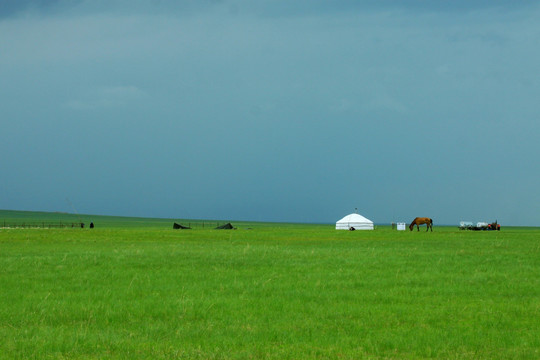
pixel 421 221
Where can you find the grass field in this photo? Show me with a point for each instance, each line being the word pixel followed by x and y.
pixel 137 289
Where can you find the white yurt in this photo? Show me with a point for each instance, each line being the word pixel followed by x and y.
pixel 357 221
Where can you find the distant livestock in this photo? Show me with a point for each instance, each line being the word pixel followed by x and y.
pixel 421 221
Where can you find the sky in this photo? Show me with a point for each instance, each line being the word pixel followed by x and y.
pixel 272 110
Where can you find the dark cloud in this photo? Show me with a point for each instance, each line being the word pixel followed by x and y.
pixel 248 108
pixel 10 8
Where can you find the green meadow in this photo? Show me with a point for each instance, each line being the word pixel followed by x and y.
pixel 134 288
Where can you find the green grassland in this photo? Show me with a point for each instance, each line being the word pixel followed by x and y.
pixel 136 289
pixel 11 218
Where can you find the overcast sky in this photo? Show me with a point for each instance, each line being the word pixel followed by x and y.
pixel 297 111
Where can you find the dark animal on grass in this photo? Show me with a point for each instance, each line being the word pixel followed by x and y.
pixel 421 221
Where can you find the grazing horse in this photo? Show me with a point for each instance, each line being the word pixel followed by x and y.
pixel 421 221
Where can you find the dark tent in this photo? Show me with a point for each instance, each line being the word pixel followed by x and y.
pixel 226 226
pixel 178 226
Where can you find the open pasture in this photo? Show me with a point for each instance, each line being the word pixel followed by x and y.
pixel 268 291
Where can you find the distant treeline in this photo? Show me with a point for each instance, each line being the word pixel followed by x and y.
pixel 40 225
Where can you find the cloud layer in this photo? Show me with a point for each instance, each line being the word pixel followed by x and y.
pixel 272 111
